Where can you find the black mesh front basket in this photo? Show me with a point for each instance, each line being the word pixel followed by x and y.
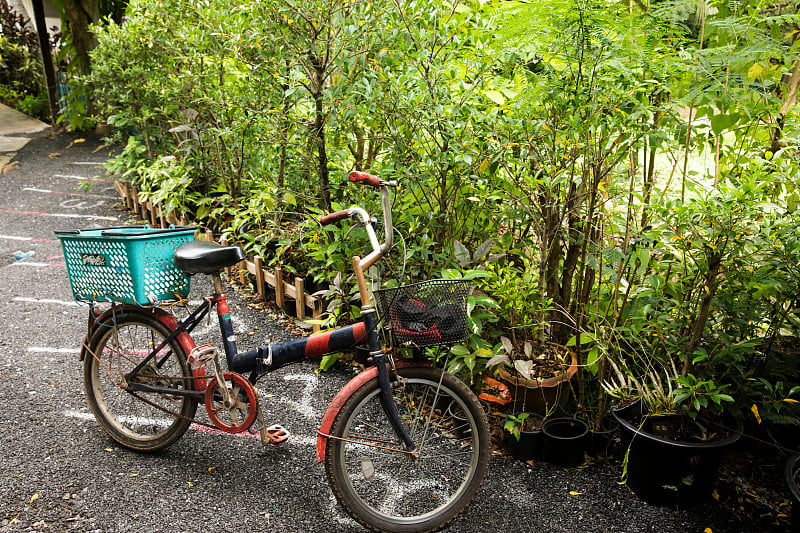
pixel 429 313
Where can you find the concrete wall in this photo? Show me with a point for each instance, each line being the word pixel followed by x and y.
pixel 51 15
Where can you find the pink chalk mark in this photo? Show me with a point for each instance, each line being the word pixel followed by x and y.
pixel 215 431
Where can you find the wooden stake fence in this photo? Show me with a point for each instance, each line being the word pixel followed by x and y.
pixel 264 279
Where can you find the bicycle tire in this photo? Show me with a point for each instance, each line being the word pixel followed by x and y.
pixel 388 490
pixel 126 416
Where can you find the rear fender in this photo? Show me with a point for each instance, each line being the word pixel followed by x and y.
pixel 98 317
pixel 347 391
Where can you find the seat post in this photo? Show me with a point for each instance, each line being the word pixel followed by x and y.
pixel 218 289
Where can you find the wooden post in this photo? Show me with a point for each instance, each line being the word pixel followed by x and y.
pixel 317 313
pixel 279 287
pixel 261 289
pixel 242 266
pixel 224 242
pixel 128 194
pixel 209 234
pixel 152 211
pixel 300 298
pixel 135 201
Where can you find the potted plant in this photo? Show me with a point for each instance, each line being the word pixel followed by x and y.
pixel 523 435
pixel 673 434
pixel 538 377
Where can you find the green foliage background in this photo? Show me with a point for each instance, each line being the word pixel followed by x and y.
pixel 630 169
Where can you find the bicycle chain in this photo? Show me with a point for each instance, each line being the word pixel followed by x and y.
pixel 176 415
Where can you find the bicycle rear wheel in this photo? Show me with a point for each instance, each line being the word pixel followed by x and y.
pixel 389 490
pixel 142 421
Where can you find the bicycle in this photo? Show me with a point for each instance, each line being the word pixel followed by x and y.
pixel 394 454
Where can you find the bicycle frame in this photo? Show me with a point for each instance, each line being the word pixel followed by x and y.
pixel 267 358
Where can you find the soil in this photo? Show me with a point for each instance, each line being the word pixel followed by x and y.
pixel 549 360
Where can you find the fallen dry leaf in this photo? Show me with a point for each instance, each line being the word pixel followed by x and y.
pixel 34 498
pixel 54 155
pixel 76 141
pixel 9 167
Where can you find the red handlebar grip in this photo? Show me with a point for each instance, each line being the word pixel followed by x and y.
pixel 334 217
pixel 363 177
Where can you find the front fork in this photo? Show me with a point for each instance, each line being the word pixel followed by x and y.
pixel 380 360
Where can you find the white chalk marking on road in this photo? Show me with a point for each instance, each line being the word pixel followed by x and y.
pixel 71 176
pixel 60 215
pixel 80 178
pixel 305 406
pixel 32 239
pixel 37 265
pixel 43 349
pixel 32 189
pixel 48 301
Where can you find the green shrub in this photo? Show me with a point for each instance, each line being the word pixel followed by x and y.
pixel 21 76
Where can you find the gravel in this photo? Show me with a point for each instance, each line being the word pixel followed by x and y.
pixel 62 473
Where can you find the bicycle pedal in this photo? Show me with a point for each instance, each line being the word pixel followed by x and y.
pixel 277 434
pixel 201 355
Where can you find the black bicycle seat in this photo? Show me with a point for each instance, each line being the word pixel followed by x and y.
pixel 205 257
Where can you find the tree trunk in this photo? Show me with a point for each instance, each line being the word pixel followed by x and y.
pixel 699 325
pixel 322 153
pixel 81 14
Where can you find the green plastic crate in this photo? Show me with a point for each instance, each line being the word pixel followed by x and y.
pixel 129 264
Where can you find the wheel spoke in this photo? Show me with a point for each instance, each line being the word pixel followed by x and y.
pixel 385 489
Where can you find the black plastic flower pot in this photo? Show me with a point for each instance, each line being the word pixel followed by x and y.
pixel 669 472
pixel 792 471
pixel 565 441
pixel 530 444
pixel 289 306
pixel 604 441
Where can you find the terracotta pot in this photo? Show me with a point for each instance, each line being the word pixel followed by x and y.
pixel 540 396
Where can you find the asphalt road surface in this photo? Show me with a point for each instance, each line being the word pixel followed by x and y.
pixel 59 471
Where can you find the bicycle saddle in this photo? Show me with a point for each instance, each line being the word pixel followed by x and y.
pixel 204 257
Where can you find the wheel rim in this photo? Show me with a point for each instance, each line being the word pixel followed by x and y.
pixel 130 413
pixel 401 490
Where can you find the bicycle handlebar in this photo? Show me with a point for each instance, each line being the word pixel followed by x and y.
pixel 378 250
pixel 334 217
pixel 364 178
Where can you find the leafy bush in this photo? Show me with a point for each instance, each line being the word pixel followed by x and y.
pixel 22 80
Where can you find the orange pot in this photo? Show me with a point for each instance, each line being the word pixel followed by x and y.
pixel 540 396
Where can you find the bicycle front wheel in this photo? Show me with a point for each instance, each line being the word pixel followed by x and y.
pixel 387 489
pixel 142 421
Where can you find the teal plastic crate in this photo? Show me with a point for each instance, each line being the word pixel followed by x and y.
pixel 129 264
